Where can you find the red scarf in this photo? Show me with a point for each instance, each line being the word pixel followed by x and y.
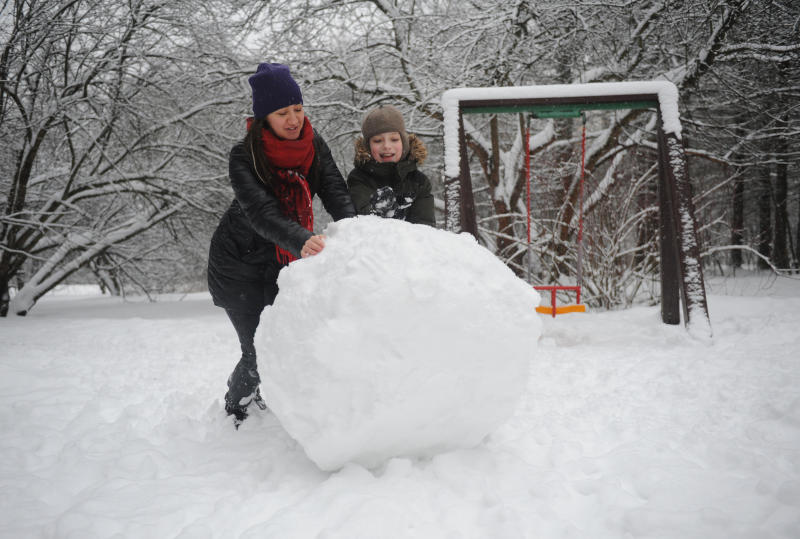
pixel 291 161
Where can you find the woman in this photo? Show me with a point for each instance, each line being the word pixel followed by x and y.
pixel 385 180
pixel 275 172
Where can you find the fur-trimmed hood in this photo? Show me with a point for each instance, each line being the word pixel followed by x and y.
pixel 416 150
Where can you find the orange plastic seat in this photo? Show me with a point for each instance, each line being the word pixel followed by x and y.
pixel 562 309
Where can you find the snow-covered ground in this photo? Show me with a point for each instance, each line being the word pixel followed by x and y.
pixel 112 426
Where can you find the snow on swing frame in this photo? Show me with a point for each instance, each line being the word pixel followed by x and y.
pixel 681 271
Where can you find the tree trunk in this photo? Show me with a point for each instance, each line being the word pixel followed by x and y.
pixel 780 251
pixel 5 297
pixel 505 223
pixel 737 223
pixel 797 241
pixel 108 281
pixel 780 248
pixel 764 216
pixel 569 200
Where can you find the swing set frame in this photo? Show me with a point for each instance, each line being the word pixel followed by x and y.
pixel 681 273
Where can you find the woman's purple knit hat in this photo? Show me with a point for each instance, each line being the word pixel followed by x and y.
pixel 273 89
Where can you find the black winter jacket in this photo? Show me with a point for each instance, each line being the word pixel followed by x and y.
pixel 242 264
pixel 407 182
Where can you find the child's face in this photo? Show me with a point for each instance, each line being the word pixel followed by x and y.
pixel 386 147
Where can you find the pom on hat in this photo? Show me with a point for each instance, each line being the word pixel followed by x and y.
pixel 384 119
pixel 273 89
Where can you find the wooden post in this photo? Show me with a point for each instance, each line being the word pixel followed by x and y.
pixel 469 222
pixel 693 292
pixel 669 267
pixel 452 203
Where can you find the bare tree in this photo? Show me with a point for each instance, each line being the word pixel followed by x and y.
pixel 111 120
pixel 113 123
pixel 743 123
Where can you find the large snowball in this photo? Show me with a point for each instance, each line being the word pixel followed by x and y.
pixel 397 340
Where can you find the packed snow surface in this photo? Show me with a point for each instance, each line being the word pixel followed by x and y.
pixel 112 427
pixel 398 340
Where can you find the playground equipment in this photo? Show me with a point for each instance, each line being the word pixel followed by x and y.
pixel 681 271
pixel 554 308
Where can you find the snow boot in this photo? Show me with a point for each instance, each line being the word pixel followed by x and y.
pixel 259 400
pixel 242 389
pixel 239 414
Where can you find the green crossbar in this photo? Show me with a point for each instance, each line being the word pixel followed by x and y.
pixel 571 110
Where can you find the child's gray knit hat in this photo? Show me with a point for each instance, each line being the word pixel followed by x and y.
pixel 384 119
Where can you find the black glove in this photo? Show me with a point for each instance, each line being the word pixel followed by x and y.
pixel 384 202
pixel 403 203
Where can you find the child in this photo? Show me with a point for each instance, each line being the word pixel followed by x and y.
pixel 385 180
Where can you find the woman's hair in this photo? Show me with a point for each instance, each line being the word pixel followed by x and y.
pixel 252 145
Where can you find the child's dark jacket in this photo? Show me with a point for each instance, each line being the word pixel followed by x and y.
pixel 404 178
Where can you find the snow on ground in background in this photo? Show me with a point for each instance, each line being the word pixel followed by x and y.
pixel 377 349
pixel 75 290
pixel 113 426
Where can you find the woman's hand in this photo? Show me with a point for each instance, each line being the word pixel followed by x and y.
pixel 313 246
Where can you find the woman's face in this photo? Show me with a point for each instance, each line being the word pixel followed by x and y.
pixel 287 122
pixel 386 147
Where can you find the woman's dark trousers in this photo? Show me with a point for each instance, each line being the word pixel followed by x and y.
pixel 243 381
